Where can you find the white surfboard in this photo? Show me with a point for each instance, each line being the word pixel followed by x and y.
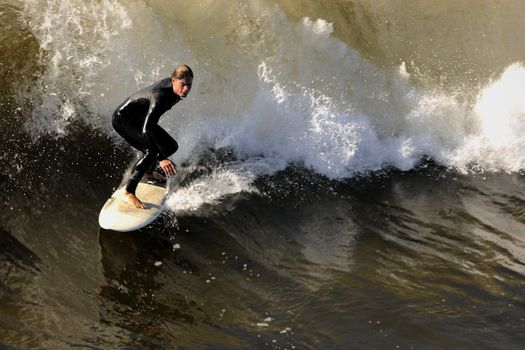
pixel 119 215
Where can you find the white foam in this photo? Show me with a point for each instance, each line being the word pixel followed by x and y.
pixel 273 89
pixel 499 144
pixel 209 190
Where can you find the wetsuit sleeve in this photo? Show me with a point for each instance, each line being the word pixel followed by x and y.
pixel 150 123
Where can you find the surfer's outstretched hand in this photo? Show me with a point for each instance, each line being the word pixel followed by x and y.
pixel 168 167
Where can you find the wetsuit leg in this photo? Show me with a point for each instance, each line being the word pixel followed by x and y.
pixel 167 145
pixel 130 131
pixel 133 135
pixel 141 167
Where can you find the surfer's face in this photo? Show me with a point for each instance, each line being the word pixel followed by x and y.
pixel 181 87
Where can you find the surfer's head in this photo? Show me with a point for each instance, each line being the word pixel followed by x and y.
pixel 181 80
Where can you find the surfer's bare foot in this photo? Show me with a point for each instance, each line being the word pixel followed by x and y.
pixel 133 200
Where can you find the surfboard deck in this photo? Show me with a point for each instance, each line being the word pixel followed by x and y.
pixel 118 215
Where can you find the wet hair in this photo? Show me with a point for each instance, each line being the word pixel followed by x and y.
pixel 182 72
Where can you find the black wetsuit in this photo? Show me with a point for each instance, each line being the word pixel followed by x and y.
pixel 136 120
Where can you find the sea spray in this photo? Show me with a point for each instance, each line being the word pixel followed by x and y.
pixel 500 111
pixel 273 89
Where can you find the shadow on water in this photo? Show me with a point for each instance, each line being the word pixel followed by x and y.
pixel 184 286
pixel 15 253
pixel 18 266
pixel 158 295
pixel 129 266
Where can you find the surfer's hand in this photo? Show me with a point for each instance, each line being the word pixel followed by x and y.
pixel 168 167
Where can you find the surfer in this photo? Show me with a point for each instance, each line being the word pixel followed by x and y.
pixel 136 120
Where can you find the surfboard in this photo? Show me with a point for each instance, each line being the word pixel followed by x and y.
pixel 118 215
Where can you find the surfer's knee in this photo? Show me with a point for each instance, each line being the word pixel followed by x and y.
pixel 170 147
pixel 147 160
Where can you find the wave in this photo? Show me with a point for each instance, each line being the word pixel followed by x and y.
pixel 274 89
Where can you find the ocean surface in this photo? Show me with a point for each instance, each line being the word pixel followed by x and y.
pixel 351 175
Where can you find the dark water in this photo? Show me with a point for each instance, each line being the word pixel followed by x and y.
pixel 407 235
pixel 426 259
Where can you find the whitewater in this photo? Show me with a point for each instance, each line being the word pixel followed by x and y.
pixel 284 92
